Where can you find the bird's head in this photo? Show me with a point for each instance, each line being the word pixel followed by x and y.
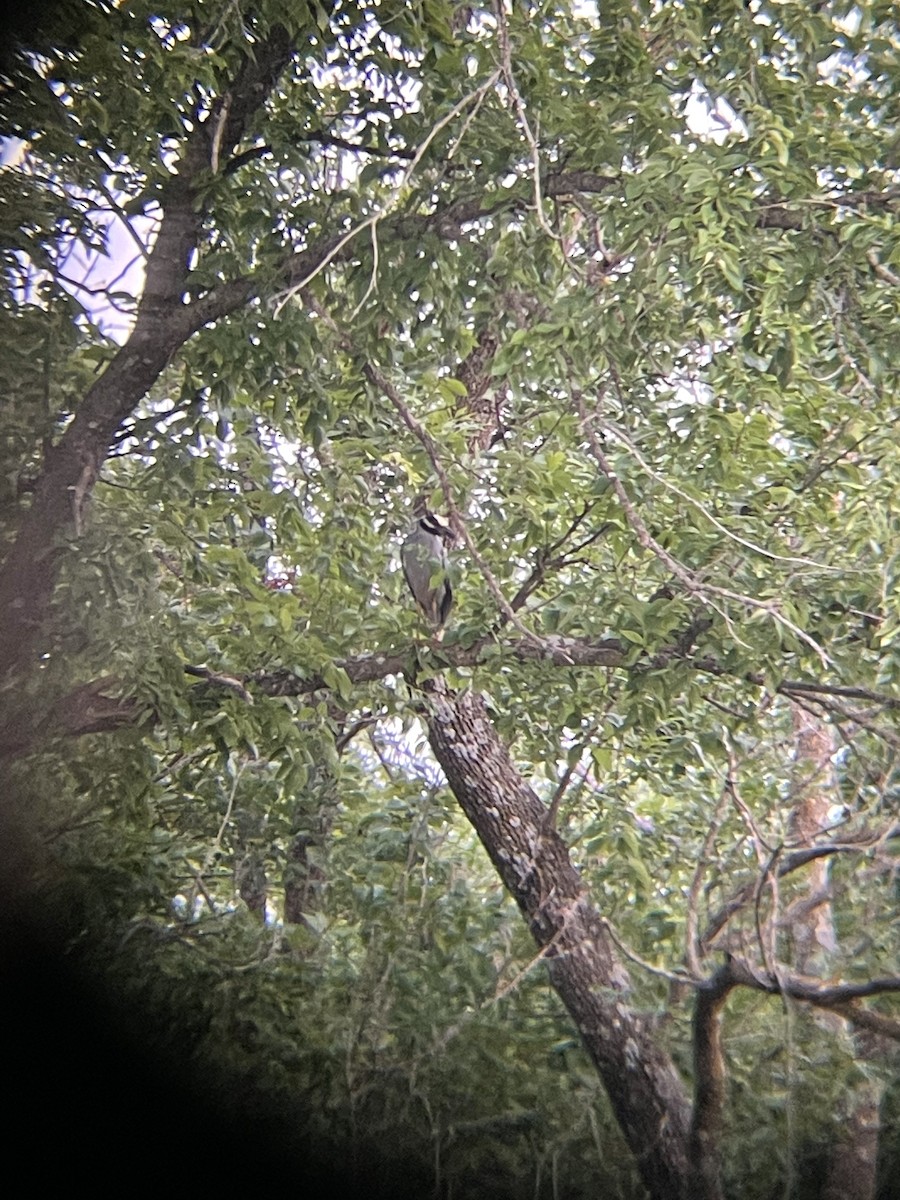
pixel 437 525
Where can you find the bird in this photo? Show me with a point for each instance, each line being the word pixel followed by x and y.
pixel 425 565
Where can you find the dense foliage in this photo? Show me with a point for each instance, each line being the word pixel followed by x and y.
pixel 618 285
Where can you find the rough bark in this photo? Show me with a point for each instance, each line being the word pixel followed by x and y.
pixel 646 1093
pixel 252 883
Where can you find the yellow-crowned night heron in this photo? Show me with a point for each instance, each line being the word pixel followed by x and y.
pixel 425 565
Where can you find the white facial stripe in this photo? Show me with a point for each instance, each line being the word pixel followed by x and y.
pixel 433 524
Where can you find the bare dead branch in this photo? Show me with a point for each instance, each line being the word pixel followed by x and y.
pixel 789 863
pixel 518 105
pixel 679 977
pixel 740 971
pixel 869 1019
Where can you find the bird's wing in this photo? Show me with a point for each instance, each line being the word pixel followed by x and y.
pixel 446 602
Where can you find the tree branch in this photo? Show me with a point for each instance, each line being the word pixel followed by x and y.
pixel 786 865
pixel 738 971
pixel 323 138
pixel 71 468
pixel 709 1057
pixel 552 650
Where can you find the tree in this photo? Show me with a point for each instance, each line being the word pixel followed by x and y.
pixel 617 291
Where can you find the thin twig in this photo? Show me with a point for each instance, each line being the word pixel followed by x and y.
pixel 519 105
pixel 685 576
pixel 881 270
pixel 395 195
pixel 621 436
pixel 691 936
pixel 561 789
pixel 662 972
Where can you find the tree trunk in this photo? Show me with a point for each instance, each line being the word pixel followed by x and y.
pixel 646 1093
pixel 29 571
pixel 854 1154
pixel 852 1170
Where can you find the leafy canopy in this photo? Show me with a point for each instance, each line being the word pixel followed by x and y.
pixel 670 232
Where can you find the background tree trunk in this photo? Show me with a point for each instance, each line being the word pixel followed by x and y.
pixel 853 1161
